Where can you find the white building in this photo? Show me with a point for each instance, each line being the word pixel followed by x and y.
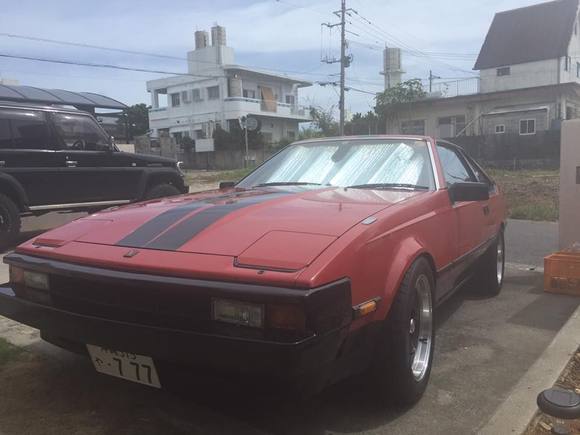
pixel 216 93
pixel 529 79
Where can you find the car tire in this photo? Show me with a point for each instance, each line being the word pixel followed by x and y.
pixel 161 191
pixel 491 268
pixel 403 360
pixel 9 221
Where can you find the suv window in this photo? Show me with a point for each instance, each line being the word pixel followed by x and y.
pixel 80 132
pixel 5 135
pixel 455 168
pixel 23 129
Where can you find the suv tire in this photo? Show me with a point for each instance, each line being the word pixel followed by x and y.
pixel 404 355
pixel 9 221
pixel 161 191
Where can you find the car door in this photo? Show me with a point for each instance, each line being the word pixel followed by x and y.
pixel 495 206
pixel 27 153
pixel 95 171
pixel 471 215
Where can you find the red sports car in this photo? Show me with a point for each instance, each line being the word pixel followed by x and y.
pixel 325 261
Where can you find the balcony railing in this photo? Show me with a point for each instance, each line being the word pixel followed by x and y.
pixel 455 88
pixel 271 106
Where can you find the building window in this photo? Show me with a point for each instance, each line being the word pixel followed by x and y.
pixel 578 69
pixel 500 129
pixel 413 127
pixel 527 126
pixel 504 71
pixel 451 126
pixel 196 95
pixel 185 97
pixel 291 135
pixel 249 93
pixel 175 100
pixel 290 99
pixel 213 93
pixel 567 63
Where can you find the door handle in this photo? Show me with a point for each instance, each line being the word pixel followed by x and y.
pixel 71 163
pixel 2 163
pixel 486 210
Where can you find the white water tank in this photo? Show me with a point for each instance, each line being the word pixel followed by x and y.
pixel 218 35
pixel 392 66
pixel 201 39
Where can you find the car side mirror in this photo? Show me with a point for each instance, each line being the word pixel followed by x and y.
pixel 469 191
pixel 227 184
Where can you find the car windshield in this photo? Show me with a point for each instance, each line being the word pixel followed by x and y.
pixel 343 163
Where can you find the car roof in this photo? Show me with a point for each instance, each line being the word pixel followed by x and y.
pixel 377 137
pixel 43 107
pixel 367 137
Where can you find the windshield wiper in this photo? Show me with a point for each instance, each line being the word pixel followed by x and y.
pixel 288 183
pixel 389 186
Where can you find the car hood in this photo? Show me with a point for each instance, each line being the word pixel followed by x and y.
pixel 283 229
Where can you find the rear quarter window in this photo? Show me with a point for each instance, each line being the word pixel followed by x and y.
pixel 23 129
pixel 5 135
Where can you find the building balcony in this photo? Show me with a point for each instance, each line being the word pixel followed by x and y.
pixel 253 106
pixel 158 113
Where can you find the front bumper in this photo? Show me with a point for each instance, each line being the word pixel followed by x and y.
pixel 200 348
pixel 183 347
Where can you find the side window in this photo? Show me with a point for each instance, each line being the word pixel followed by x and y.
pixel 80 132
pixel 23 129
pixel 455 168
pixel 5 135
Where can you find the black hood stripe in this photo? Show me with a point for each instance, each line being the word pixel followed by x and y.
pixel 151 229
pixel 184 231
pixel 158 234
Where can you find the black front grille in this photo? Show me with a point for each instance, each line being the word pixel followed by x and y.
pixel 145 304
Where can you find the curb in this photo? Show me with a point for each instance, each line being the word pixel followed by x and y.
pixel 516 412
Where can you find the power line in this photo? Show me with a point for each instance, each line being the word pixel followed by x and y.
pixel 374 30
pixel 102 65
pixel 140 53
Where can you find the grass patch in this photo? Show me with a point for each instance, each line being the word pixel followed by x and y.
pixel 530 194
pixel 216 177
pixel 8 352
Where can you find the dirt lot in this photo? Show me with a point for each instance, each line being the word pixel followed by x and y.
pixel 206 180
pixel 531 195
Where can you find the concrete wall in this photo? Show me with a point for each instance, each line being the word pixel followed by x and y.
pixel 570 184
pixel 525 75
pixel 511 121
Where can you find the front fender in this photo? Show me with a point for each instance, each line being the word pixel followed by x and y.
pixel 152 176
pixel 11 187
pixel 405 252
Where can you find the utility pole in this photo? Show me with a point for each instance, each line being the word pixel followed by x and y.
pixel 342 64
pixel 431 78
pixel 344 59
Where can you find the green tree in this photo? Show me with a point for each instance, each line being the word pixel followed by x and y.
pixel 136 118
pixel 394 100
pixel 323 121
pixel 362 124
pixel 235 138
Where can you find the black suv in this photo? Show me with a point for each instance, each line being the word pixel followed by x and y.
pixel 55 159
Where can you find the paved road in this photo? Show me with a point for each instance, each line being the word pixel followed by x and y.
pixel 529 242
pixel 483 348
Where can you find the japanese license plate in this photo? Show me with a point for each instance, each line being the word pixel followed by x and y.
pixel 124 365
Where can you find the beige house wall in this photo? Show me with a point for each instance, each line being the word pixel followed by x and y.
pixel 570 184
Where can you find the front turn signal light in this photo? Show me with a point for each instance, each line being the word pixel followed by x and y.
pixel 16 275
pixel 286 316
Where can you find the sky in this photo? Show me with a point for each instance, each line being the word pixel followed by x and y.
pixel 285 35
